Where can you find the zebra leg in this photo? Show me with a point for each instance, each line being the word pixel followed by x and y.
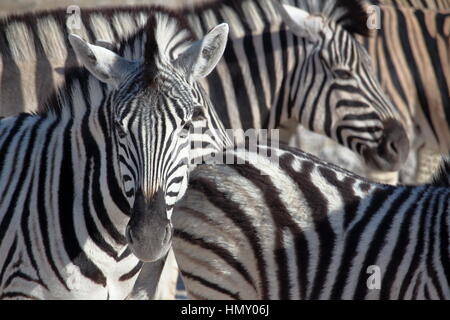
pixel 167 286
pixel 157 280
pixel 146 284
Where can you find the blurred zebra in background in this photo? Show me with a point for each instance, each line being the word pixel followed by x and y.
pixel 410 54
pixel 35 51
pixel 300 228
pixel 85 179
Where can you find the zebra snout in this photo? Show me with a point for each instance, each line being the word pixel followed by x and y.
pixel 149 231
pixel 394 146
pixel 392 150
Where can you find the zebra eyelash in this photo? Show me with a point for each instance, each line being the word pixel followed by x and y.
pixel 187 126
pixel 198 114
pixel 120 129
pixel 343 74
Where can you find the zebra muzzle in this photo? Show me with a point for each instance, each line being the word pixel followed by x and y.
pixel 149 232
pixel 393 149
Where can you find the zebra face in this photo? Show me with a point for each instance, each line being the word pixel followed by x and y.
pixel 153 105
pixel 362 118
pixel 152 134
pixel 337 75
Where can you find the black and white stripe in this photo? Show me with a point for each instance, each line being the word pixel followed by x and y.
pixel 84 180
pixel 304 229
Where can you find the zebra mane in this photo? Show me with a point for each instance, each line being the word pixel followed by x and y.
pixel 164 33
pixel 441 177
pixel 350 14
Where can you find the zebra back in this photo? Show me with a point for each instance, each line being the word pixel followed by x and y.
pixel 299 228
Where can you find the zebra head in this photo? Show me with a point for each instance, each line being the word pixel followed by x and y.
pixel 337 75
pixel 153 103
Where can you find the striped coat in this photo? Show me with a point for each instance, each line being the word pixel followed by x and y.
pixel 299 228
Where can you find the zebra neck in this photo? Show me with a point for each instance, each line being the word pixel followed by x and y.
pixel 292 81
pixel 91 170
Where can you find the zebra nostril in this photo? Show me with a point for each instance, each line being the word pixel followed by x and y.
pixel 392 148
pixel 168 234
pixel 394 145
pixel 128 235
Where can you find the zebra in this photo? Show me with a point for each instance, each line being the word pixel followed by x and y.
pixel 88 183
pixel 301 228
pixel 313 67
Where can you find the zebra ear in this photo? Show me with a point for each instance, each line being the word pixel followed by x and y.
pixel 203 55
pixel 301 22
pixel 104 64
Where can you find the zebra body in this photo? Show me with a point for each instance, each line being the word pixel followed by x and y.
pixel 88 184
pixel 291 76
pixel 300 228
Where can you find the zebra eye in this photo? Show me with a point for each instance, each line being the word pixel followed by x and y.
pixel 343 74
pixel 198 114
pixel 185 130
pixel 120 130
pixel 187 126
